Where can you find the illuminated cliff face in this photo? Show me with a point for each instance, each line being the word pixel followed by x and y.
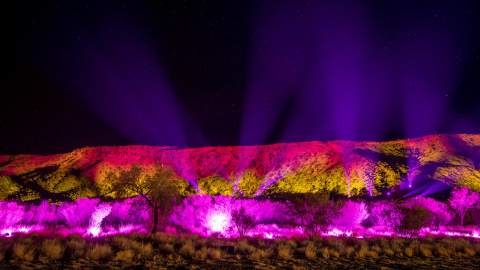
pixel 413 167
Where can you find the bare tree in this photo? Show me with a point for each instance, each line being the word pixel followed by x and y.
pixel 159 191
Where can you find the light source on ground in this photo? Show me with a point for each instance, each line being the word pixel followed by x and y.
pixel 218 221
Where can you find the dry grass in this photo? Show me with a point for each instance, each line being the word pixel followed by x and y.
pixel 440 250
pixel 409 252
pixel 349 251
pixel 145 251
pixel 24 250
pixel 425 250
pixel 362 251
pixel 257 255
pixel 2 255
pixel 325 252
pixel 202 253
pixel 244 247
pixel 99 252
pixel 141 248
pixel 125 256
pixel 469 251
pixel 76 246
pixel 310 251
pixel 284 251
pixel 188 249
pixel 215 253
pixel 53 249
pixel 388 252
pixel 167 247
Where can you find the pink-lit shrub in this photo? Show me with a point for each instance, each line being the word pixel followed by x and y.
pixel 44 213
pixel 313 212
pixel 232 217
pixel 101 211
pixel 351 215
pixel 242 221
pixel 129 211
pixel 462 200
pixel 11 214
pixel 414 219
pixel 212 214
pixel 440 213
pixel 78 213
pixel 383 214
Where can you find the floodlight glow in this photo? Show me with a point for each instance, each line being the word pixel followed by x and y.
pixel 218 221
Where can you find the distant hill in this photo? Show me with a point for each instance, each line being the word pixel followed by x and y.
pixel 423 166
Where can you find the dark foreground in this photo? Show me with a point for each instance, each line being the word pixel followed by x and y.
pixel 319 263
pixel 191 252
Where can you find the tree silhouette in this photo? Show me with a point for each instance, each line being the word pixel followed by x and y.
pixel 159 190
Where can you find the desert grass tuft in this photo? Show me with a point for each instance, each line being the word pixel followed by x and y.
pixel 76 246
pixel 215 253
pixel 126 256
pixel 188 249
pixel 53 249
pixel 284 251
pixel 99 252
pixel 310 251
pixel 24 250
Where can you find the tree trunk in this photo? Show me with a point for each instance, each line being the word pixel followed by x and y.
pixel 155 219
pixel 462 216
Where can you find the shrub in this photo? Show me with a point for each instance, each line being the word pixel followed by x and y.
pixel 99 252
pixel 188 249
pixel 167 247
pixel 351 215
pixel 76 246
pixel 202 253
pixel 469 251
pixel 44 213
pixel 462 200
pixel 53 249
pixel 284 251
pixel 325 252
pixel 314 212
pixel 24 251
pixel 362 251
pixel 439 211
pixel 244 247
pixel 442 251
pixel 125 256
pixel 11 213
pixel 311 251
pixel 194 213
pixel 215 253
pixel 425 250
pixel 78 213
pixel 415 218
pixel 383 213
pixel 242 221
pixel 249 183
pixel 215 185
pixel 409 251
pixel 349 251
pixel 145 250
pixel 388 252
pixel 257 254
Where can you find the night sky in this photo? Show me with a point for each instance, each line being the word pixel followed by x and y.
pixel 196 73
